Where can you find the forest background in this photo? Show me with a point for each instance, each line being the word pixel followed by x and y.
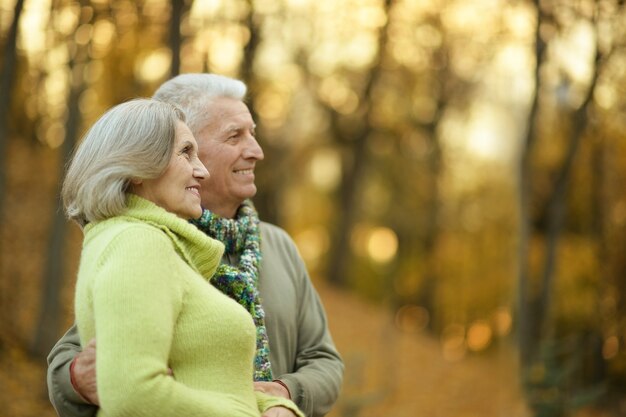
pixel 451 170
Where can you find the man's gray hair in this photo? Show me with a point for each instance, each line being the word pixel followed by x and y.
pixel 192 93
pixel 133 140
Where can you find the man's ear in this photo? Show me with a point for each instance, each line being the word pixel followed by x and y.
pixel 136 181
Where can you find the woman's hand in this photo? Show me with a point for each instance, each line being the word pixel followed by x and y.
pixel 279 412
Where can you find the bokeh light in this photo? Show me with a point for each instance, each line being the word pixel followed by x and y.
pixel 453 343
pixel 154 65
pixel 412 318
pixel 382 244
pixel 479 335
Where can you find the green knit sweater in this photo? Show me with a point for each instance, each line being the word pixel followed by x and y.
pixel 141 291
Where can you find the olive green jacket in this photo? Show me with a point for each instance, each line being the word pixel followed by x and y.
pixel 302 352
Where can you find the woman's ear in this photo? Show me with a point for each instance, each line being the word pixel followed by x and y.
pixel 134 185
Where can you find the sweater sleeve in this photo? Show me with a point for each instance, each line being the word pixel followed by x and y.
pixel 265 402
pixel 65 400
pixel 136 301
pixel 316 381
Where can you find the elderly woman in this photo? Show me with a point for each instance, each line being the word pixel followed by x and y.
pixel 143 287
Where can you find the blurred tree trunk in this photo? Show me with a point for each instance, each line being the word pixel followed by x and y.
pixel 249 52
pixel 534 305
pixel 354 163
pixel 598 205
pixel 348 198
pixel 606 285
pixel 611 241
pixel 557 203
pixel 431 234
pixel 7 80
pixel 526 313
pixel 175 38
pixel 47 330
pixel 446 90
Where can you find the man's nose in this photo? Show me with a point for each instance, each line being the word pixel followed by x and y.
pixel 253 150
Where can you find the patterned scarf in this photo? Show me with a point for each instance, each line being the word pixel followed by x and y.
pixel 241 236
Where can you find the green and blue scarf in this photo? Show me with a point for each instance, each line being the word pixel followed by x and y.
pixel 241 236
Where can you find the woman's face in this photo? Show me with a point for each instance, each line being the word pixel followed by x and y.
pixel 177 190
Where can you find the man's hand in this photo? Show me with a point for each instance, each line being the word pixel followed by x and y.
pixel 83 373
pixel 272 388
pixel 278 412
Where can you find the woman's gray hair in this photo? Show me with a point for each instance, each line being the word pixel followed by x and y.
pixel 133 140
pixel 192 93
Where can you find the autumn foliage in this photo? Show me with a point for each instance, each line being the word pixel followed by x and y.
pixel 452 172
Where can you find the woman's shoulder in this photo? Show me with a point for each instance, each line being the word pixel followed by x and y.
pixel 122 229
pixel 126 242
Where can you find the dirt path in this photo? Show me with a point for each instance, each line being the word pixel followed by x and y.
pixel 390 373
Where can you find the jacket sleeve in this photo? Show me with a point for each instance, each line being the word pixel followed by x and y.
pixel 264 402
pixel 65 400
pixel 316 382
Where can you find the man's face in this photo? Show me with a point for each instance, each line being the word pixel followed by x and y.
pixel 228 148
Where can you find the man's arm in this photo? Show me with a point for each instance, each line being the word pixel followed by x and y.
pixel 304 357
pixel 316 382
pixel 66 401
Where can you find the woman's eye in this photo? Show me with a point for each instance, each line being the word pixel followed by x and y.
pixel 186 152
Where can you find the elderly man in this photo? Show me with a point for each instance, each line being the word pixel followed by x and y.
pixel 261 268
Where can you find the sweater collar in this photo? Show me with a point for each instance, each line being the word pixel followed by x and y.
pixel 199 250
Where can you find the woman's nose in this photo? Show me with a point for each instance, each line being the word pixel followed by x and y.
pixel 199 170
